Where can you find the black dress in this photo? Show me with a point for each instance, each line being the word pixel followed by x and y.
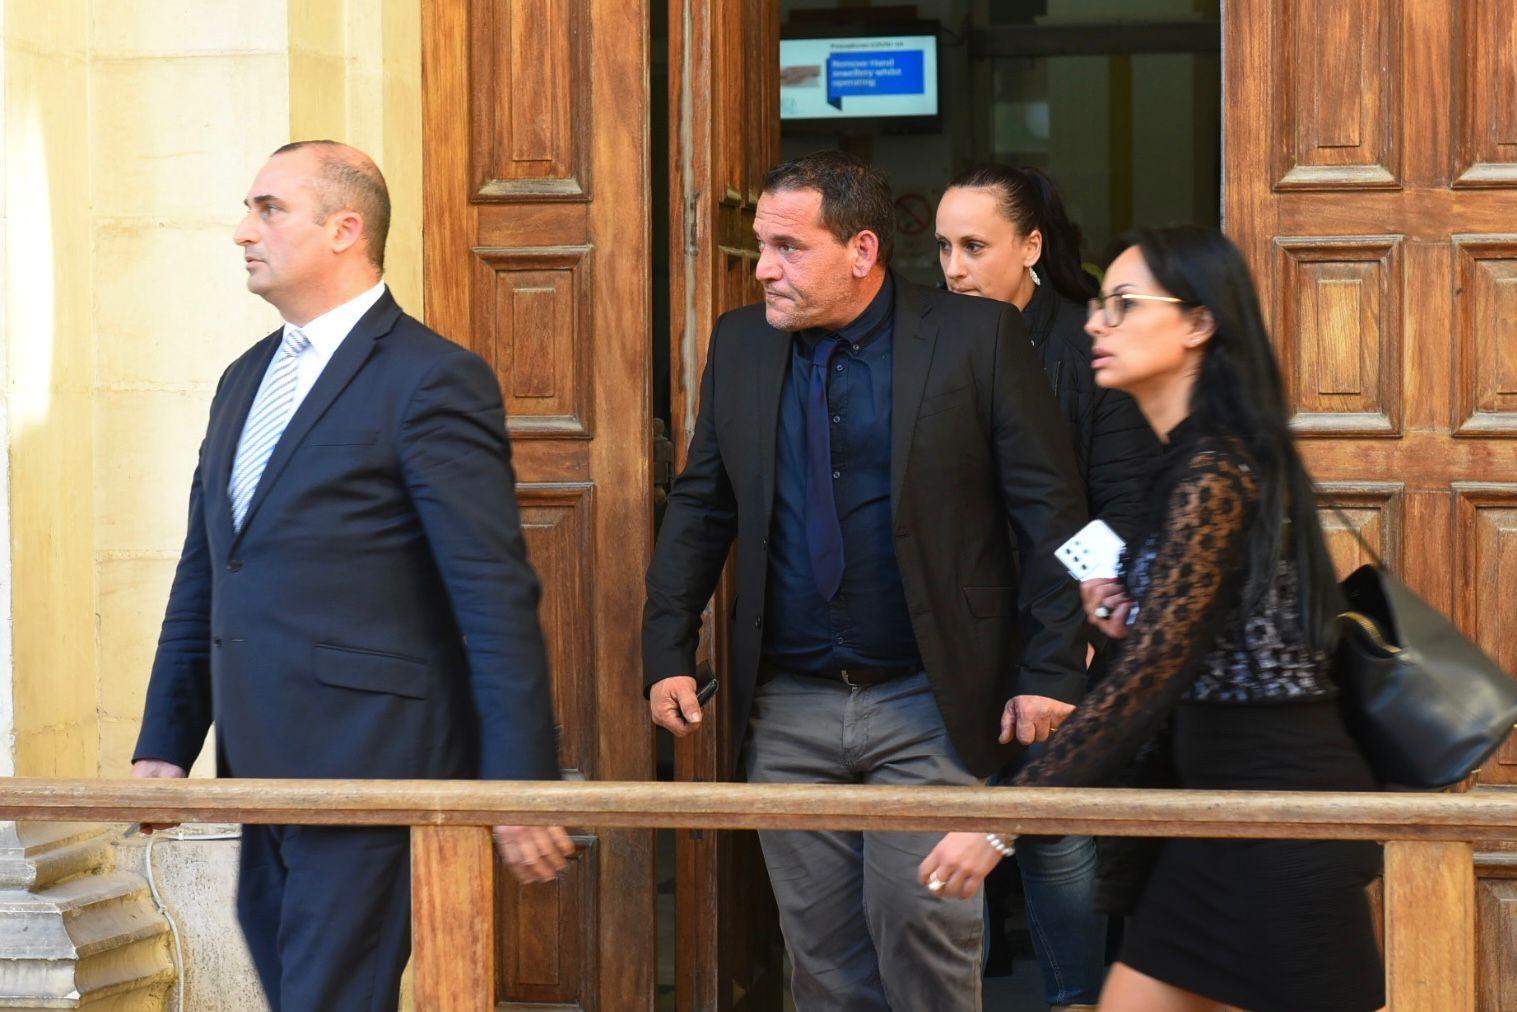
pixel 1265 925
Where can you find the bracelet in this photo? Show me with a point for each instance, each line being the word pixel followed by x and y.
pixel 1001 846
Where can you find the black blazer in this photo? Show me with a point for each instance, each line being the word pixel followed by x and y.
pixel 980 467
pixel 376 616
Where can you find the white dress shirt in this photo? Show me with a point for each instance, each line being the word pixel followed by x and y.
pixel 326 332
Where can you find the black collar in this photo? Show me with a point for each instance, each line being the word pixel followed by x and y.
pixel 1185 435
pixel 1040 314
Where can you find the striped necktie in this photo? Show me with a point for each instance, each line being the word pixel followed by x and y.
pixel 267 419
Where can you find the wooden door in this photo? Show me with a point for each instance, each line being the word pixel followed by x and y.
pixel 537 250
pixel 1371 178
pixel 1370 153
pixel 724 112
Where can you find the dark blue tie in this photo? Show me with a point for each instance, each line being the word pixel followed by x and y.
pixel 824 533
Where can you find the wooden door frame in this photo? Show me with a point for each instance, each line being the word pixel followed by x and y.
pixel 714 175
pixel 582 211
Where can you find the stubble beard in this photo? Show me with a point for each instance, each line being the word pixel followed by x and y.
pixel 785 316
pixel 778 319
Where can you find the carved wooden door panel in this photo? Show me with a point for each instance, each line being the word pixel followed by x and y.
pixel 1371 179
pixel 724 112
pixel 537 245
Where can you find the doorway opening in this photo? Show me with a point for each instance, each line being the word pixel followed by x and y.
pixel 1120 102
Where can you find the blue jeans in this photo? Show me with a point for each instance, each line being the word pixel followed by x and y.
pixel 1069 937
pixel 1059 891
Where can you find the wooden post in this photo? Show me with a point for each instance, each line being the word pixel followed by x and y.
pixel 453 918
pixel 1430 926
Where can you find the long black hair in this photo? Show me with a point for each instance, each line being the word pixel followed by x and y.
pixel 1029 200
pixel 1240 395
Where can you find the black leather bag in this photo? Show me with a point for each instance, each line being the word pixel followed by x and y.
pixel 1426 705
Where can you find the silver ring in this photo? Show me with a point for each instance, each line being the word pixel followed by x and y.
pixel 935 884
pixel 1103 612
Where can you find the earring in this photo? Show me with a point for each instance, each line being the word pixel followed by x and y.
pixel 1035 279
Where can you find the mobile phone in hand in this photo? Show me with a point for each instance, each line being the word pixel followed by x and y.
pixel 705 692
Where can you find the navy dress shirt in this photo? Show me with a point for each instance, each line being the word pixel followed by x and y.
pixel 867 624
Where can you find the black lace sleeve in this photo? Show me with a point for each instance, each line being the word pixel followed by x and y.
pixel 1197 565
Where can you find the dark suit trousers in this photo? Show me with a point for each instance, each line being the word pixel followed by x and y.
pixel 326 912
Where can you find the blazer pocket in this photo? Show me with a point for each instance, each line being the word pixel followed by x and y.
pixel 344 437
pixel 991 602
pixel 371 671
pixel 939 403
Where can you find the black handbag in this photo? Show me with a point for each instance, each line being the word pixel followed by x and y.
pixel 1426 705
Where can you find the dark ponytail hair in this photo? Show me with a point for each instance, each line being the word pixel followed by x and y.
pixel 1240 395
pixel 1030 201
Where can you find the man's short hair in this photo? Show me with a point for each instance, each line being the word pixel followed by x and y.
pixel 855 195
pixel 350 181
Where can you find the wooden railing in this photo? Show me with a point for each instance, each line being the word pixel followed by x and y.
pixel 1429 858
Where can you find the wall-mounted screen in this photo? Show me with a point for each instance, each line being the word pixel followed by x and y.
pixel 854 78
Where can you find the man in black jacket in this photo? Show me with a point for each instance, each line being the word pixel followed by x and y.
pixel 354 597
pixel 896 476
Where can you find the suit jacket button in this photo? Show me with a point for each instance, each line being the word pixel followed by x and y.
pixel 233 565
pixel 758 623
pixel 215 641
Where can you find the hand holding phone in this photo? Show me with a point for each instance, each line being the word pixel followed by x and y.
pixel 1107 606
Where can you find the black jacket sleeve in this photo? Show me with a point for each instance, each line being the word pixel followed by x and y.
pixel 1045 505
pixel 177 714
pixel 1123 454
pixel 700 523
pixel 456 463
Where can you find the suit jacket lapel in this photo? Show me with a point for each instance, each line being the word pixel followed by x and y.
pixel 768 381
pixel 222 451
pixel 350 356
pixel 916 337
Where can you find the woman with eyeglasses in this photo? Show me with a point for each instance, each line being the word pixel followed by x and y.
pixel 1224 607
pixel 1003 234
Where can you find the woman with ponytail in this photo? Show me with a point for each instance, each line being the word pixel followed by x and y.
pixel 1003 234
pixel 1225 607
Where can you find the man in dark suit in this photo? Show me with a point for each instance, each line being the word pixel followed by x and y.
pixel 896 476
pixel 354 598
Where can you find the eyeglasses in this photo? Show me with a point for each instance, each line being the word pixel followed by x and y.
pixel 1114 307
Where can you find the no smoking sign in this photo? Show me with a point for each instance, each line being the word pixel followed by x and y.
pixel 913 214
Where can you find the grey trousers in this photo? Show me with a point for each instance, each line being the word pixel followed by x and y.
pixel 862 933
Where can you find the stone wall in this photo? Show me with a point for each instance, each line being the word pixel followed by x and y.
pixel 49 366
pixel 131 130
